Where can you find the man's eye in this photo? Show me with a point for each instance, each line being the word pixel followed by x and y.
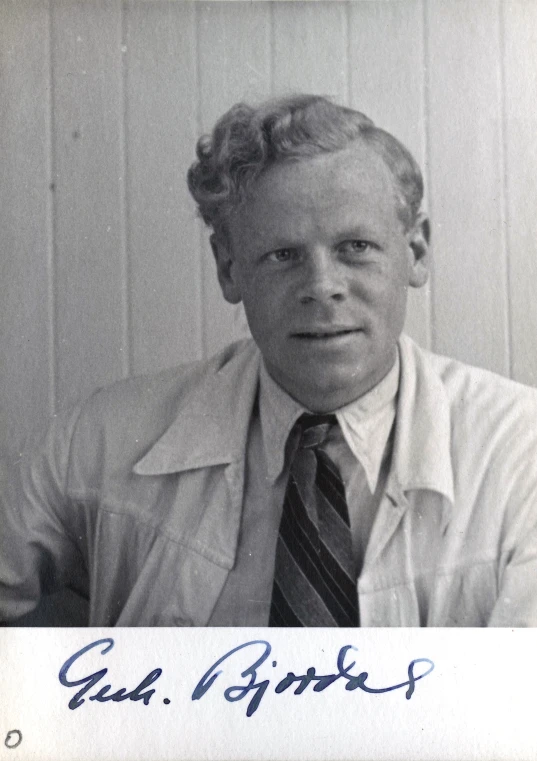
pixel 355 246
pixel 281 255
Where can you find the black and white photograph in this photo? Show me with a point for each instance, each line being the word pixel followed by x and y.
pixel 268 324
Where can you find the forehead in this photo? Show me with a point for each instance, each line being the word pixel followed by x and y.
pixel 351 187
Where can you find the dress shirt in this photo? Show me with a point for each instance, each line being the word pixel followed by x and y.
pixel 357 446
pixel 136 499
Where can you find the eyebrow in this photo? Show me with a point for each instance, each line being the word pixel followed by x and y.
pixel 354 233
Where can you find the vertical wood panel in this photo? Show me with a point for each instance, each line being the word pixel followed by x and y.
pixel 465 138
pixel 520 19
pixel 25 336
pixel 175 85
pixel 161 90
pixel 86 39
pixel 234 65
pixel 310 48
pixel 234 56
pixel 386 82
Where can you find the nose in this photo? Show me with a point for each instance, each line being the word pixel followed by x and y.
pixel 321 279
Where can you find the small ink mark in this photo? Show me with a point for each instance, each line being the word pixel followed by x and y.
pixel 167 701
pixel 52 186
pixel 13 739
pixel 76 134
pixel 274 664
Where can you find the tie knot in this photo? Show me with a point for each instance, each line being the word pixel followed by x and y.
pixel 314 429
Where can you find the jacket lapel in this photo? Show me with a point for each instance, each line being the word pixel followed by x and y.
pixel 211 426
pixel 208 435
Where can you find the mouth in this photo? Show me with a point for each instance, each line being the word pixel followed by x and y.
pixel 327 334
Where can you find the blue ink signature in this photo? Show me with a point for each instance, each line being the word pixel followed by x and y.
pixel 90 681
pixel 235 692
pixel 320 681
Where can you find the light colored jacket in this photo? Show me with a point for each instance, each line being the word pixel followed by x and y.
pixel 135 499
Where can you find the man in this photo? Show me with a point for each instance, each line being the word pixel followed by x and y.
pixel 328 473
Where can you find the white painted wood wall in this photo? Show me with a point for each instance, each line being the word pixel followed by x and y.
pixel 105 270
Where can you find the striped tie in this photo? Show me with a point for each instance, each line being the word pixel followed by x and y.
pixel 314 576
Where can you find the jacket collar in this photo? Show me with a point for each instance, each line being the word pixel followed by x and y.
pixel 422 447
pixel 211 426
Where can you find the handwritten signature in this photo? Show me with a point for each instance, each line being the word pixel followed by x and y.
pixel 235 692
pixel 320 681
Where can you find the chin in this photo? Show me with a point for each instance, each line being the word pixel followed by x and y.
pixel 330 393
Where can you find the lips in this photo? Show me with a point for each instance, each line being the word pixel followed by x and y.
pixel 324 333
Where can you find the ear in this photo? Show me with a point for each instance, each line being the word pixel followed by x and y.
pixel 226 269
pixel 418 241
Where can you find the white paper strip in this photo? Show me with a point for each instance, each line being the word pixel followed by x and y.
pixel 476 703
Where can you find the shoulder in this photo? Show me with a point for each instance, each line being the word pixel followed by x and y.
pixel 143 395
pixel 121 422
pixel 469 386
pixel 484 407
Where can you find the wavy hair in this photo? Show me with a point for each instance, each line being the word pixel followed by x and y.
pixel 246 141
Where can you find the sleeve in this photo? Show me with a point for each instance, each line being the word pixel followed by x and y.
pixel 516 603
pixel 37 555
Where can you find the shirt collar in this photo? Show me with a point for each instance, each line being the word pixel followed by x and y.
pixel 421 457
pixel 278 412
pixel 365 423
pixel 212 424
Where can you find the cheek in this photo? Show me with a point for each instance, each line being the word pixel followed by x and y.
pixel 377 286
pixel 394 304
pixel 385 302
pixel 263 311
pixel 263 292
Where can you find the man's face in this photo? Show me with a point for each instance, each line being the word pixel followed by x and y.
pixel 322 264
